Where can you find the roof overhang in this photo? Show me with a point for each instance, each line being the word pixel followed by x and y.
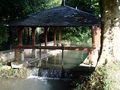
pixel 63 16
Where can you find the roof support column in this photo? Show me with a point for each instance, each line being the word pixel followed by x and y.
pixel 96 34
pixel 93 36
pixel 45 35
pixel 19 54
pixel 59 36
pixel 33 37
pixel 34 52
pixel 54 37
pixel 93 54
pixel 28 36
pixel 20 36
pixel 40 52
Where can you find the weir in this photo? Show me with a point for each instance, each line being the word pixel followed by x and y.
pixel 57 67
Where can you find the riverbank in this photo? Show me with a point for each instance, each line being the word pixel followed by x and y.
pixel 9 72
pixel 104 78
pixel 91 82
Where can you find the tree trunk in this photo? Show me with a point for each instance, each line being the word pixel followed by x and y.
pixel 110 43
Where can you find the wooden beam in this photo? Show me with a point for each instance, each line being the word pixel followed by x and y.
pixel 59 36
pixel 93 36
pixel 45 35
pixel 54 37
pixel 20 36
pixel 28 36
pixel 54 47
pixel 96 34
pixel 40 51
pixel 33 36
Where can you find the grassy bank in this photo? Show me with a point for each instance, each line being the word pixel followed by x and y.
pixel 92 82
pixel 104 78
pixel 9 72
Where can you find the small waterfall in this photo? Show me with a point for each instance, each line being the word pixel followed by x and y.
pixel 33 73
pixel 56 67
pixel 49 73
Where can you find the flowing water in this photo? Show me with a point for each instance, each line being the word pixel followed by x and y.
pixel 53 73
pixel 70 60
pixel 34 84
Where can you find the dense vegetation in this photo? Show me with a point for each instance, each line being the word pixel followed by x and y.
pixel 80 36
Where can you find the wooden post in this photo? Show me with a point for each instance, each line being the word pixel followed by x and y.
pixel 96 34
pixel 93 54
pixel 59 36
pixel 28 36
pixel 98 37
pixel 33 37
pixel 62 55
pixel 34 53
pixel 19 54
pixel 45 34
pixel 54 37
pixel 93 36
pixel 40 51
pixel 20 37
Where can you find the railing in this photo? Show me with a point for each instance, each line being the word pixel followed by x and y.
pixel 54 47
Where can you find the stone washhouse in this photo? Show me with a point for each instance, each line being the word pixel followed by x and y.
pixel 57 17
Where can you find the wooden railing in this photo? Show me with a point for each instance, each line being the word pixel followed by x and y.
pixel 54 47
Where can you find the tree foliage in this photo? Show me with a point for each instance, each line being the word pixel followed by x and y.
pixel 3 34
pixel 18 8
pixel 91 6
pixel 77 35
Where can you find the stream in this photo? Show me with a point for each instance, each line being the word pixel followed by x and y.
pixel 34 84
pixel 53 73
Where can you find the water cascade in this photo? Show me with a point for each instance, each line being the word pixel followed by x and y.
pixel 57 67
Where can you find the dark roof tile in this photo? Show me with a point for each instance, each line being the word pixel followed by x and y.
pixel 58 16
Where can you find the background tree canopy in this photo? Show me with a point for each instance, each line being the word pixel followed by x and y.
pixel 19 8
